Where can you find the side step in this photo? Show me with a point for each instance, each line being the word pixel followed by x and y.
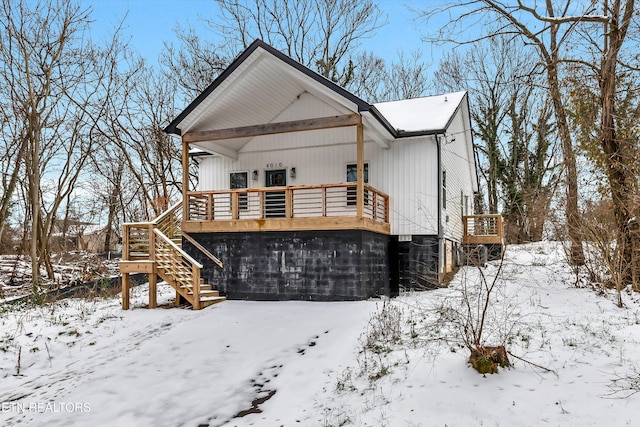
pixel 206 293
pixel 208 296
pixel 207 301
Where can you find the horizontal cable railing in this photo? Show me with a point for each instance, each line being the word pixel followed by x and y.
pixel 136 240
pixel 483 228
pixel 310 201
pixel 170 222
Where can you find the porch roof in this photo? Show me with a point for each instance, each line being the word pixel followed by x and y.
pixel 262 82
pixel 259 84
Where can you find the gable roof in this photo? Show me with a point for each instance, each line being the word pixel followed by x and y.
pixel 173 128
pixel 405 118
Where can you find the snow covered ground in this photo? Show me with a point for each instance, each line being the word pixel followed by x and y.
pixel 241 363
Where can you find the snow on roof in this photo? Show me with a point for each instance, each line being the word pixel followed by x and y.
pixel 431 113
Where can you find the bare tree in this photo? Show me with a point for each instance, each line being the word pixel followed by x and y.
pixel 324 35
pixel 320 34
pixel 12 155
pixel 376 81
pixel 194 64
pixel 109 173
pixel 605 93
pixel 546 29
pixel 33 46
pixel 514 134
pixel 370 77
pixel 57 85
pixel 487 71
pixel 133 132
pixel 407 78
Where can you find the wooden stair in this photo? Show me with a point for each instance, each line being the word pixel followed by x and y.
pixel 156 248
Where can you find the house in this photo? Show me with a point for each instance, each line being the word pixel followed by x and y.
pixel 308 192
pixel 94 239
pixel 84 236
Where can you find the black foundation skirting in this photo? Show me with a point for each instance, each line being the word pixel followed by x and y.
pixel 297 265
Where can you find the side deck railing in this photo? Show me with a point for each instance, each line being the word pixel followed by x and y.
pixel 137 236
pixel 308 201
pixel 483 229
pixel 175 265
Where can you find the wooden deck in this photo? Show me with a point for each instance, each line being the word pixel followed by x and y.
pixel 305 207
pixel 483 230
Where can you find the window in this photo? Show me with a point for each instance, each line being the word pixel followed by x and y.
pixel 276 178
pixel 240 180
pixel 275 202
pixel 352 172
pixel 352 176
pixel 444 189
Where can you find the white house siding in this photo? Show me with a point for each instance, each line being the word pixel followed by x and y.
pixel 458 167
pixel 407 171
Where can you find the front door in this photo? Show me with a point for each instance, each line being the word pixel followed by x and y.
pixel 274 201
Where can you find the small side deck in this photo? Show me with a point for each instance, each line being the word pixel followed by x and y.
pixel 483 230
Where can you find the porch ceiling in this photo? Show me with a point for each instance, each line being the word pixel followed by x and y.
pixel 256 93
pixel 263 89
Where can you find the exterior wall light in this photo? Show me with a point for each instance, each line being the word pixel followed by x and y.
pixel 254 175
pixel 292 173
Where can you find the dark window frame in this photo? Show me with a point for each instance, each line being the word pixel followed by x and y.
pixel 243 198
pixel 352 176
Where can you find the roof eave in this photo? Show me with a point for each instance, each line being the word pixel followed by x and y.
pixel 410 134
pixel 172 128
pixel 383 121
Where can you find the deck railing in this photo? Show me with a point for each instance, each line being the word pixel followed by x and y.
pixel 136 240
pixel 177 264
pixel 170 222
pixel 137 236
pixel 308 201
pixel 483 229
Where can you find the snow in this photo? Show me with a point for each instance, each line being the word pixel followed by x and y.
pixel 86 362
pixel 431 113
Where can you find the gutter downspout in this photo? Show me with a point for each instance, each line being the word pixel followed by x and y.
pixel 440 228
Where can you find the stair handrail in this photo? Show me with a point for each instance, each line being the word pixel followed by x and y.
pixel 203 250
pixel 166 213
pixel 184 255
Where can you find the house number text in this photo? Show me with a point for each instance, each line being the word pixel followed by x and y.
pixel 274 165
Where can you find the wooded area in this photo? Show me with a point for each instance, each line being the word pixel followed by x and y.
pixel 554 97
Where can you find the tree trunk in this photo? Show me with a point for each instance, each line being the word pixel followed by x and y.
pixel 5 201
pixel 572 213
pixel 113 206
pixel 618 161
pixel 34 196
